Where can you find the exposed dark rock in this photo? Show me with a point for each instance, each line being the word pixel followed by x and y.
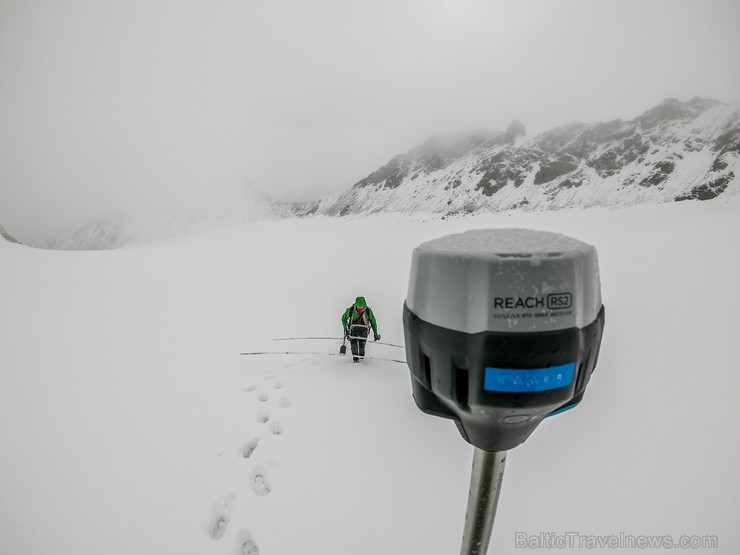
pixel 629 149
pixel 708 191
pixel 729 141
pixel 499 170
pixel 609 163
pixel 567 139
pixel 8 237
pixel 515 130
pixel 301 209
pixel 391 175
pixel 489 185
pixel 719 164
pixel 633 146
pixel 665 166
pixel 552 169
pixel 669 109
pixel 570 183
pixel 662 170
pixel 507 164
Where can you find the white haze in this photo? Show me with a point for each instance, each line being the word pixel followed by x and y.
pixel 163 105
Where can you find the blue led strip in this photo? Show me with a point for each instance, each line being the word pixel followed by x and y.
pixel 515 380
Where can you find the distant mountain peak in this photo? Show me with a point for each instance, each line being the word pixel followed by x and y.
pixel 515 130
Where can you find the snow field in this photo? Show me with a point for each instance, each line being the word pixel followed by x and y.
pixel 129 423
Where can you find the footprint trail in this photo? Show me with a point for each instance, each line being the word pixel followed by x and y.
pixel 259 481
pixel 249 448
pixel 221 517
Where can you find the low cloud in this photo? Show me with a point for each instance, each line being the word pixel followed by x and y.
pixel 150 107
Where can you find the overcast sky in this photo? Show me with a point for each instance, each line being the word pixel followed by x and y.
pixel 117 105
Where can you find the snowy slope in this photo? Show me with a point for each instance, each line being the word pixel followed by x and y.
pixel 7 236
pixel 675 151
pixel 130 424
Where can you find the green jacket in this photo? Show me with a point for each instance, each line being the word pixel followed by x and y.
pixel 359 301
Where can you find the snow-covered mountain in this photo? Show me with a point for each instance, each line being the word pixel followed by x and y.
pixel 674 151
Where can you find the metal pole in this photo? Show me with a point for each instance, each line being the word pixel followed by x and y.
pixel 485 486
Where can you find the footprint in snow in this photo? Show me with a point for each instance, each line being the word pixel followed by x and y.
pixel 263 415
pixel 259 481
pixel 249 388
pixel 263 397
pixel 249 448
pixel 220 516
pixel 278 385
pixel 284 403
pixel 246 545
pixel 276 428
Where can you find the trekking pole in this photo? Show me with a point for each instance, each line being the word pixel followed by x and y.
pixel 503 329
pixel 343 348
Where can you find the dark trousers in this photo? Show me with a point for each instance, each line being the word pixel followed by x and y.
pixel 358 345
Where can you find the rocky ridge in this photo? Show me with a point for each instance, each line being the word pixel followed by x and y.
pixel 7 236
pixel 672 152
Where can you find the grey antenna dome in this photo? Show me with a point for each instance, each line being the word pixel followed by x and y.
pixel 505 280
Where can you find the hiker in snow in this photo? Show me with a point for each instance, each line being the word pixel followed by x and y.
pixel 357 321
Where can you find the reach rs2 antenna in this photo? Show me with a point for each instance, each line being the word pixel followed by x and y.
pixel 503 329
